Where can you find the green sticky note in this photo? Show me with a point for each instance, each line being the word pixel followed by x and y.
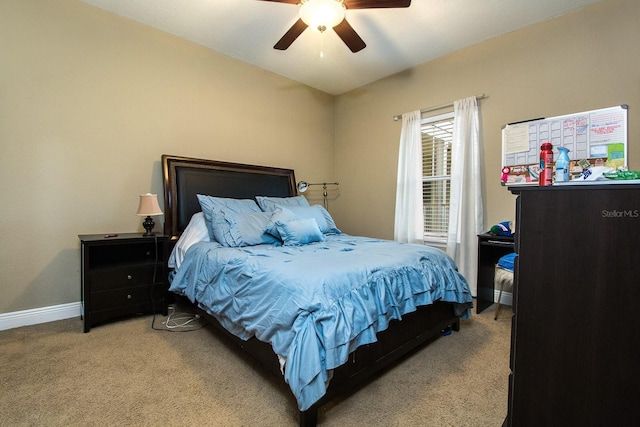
pixel 615 151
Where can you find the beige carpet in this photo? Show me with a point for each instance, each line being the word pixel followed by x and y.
pixel 127 374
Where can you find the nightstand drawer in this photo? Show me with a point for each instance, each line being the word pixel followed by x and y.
pixel 127 297
pixel 122 277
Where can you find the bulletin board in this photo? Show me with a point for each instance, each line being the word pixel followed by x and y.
pixel 598 137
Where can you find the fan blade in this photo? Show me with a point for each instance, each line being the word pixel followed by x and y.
pixel 284 1
pixel 291 35
pixel 349 36
pixel 376 4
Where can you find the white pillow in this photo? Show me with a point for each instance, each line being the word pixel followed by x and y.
pixel 195 232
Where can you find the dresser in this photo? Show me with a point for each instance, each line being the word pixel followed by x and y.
pixel 575 345
pixel 122 274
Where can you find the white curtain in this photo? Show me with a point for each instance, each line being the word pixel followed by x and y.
pixel 466 218
pixel 409 219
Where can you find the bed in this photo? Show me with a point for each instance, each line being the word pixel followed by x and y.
pixel 339 309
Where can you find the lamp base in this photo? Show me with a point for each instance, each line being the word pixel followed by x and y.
pixel 148 225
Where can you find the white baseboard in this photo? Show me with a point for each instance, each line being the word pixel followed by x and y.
pixel 40 315
pixel 507 297
pixel 52 313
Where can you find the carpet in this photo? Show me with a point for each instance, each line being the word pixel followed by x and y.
pixel 126 373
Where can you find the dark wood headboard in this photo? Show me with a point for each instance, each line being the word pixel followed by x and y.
pixel 185 178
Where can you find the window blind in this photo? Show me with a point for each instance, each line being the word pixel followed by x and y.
pixel 436 170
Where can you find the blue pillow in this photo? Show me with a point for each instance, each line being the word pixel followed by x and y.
pixel 270 204
pixel 248 229
pixel 299 232
pixel 320 214
pixel 281 214
pixel 215 209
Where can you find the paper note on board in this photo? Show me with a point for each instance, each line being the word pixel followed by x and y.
pixel 515 138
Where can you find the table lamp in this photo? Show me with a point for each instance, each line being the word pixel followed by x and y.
pixel 149 207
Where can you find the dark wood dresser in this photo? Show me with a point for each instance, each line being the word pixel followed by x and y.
pixel 121 275
pixel 575 345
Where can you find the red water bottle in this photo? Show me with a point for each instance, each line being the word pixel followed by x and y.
pixel 546 164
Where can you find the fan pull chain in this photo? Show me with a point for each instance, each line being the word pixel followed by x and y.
pixel 321 30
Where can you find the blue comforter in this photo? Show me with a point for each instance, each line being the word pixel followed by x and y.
pixel 316 303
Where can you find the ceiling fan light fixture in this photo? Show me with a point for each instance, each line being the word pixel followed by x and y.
pixel 322 14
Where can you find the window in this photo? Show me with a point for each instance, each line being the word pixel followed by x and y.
pixel 437 136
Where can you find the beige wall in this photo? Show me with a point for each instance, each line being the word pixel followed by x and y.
pixel 88 104
pixel 582 61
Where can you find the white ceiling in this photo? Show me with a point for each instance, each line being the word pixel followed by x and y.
pixel 397 39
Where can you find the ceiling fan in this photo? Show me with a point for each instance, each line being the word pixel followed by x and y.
pixel 323 14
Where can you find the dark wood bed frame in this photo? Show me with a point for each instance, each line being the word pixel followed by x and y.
pixel 184 178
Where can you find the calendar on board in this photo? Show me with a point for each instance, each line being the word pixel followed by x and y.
pixel 598 137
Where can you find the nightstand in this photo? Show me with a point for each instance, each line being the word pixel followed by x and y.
pixel 122 275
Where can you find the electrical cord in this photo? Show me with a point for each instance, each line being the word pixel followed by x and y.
pixel 179 322
pixel 155 264
pixel 155 276
pixel 175 322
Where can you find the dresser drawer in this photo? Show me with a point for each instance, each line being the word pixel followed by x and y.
pixel 127 297
pixel 126 276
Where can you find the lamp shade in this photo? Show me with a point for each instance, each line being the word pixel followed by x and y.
pixel 149 205
pixel 322 14
pixel 303 186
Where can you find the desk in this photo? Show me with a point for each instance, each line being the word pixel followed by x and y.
pixel 490 249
